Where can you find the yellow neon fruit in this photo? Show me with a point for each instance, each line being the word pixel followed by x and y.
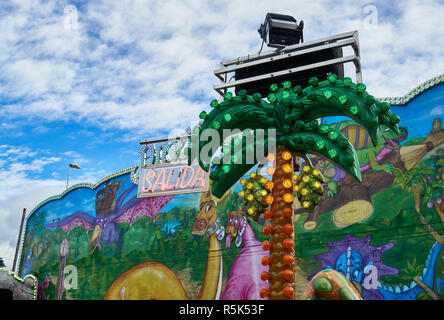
pixel 287 168
pixel 296 188
pixel 250 197
pixel 306 204
pixel 263 180
pixel 304 192
pixel 286 155
pixel 252 175
pixel 251 211
pixel 250 185
pixel 287 183
pixel 306 179
pixel 295 177
pixel 306 169
pixel 243 182
pixel 242 193
pixel 316 172
pixel 263 193
pixel 317 185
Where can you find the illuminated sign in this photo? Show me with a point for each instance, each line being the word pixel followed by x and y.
pixel 161 180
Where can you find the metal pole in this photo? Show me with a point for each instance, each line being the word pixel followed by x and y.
pixel 18 240
pixel 69 170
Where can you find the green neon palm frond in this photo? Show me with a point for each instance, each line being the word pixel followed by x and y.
pixel 325 141
pixel 238 112
pixel 233 163
pixel 336 97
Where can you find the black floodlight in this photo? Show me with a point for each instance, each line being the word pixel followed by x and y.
pixel 280 30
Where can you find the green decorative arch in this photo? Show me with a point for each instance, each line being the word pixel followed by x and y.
pixel 414 92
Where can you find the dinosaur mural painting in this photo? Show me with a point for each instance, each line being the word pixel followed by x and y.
pixel 185 247
pixel 109 212
pixel 410 291
pixel 244 281
pixel 351 201
pixel 352 256
pixel 155 281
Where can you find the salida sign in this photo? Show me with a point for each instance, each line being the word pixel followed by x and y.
pixel 171 179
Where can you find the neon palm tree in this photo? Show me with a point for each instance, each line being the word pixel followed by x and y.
pixel 292 112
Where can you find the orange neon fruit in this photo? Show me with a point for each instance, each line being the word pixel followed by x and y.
pixel 264 293
pixel 287 168
pixel 288 259
pixel 288 197
pixel 288 291
pixel 287 274
pixel 265 276
pixel 286 155
pixel 268 230
pixel 288 243
pixel 288 228
pixel 266 261
pixel 287 183
pixel 266 245
pixel 268 214
pixel 287 212
pixel 268 199
pixel 269 185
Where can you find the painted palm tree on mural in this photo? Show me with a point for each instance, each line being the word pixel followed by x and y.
pixel 293 113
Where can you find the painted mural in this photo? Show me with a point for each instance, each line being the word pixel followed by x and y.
pixel 385 235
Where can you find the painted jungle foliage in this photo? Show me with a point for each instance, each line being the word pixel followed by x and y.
pixel 385 234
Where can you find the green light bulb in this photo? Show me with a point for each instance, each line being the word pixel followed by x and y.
pixel 214 103
pixel 313 81
pixel 274 87
pixel 332 153
pixel 286 85
pixel 271 97
pixel 320 145
pixel 242 93
pixel 203 115
pixel 332 78
pixel 257 97
pixel 354 110
pixel 228 95
pixel 343 99
pixel 347 82
pixel 328 94
pixel 360 87
pixel 324 128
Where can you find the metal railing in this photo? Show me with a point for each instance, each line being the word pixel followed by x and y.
pixel 350 39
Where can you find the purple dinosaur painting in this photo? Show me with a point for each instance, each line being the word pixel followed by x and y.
pixel 351 256
pixel 109 212
pixel 244 280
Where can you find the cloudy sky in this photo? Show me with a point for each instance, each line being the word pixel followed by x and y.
pixel 85 81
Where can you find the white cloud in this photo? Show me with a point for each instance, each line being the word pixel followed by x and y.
pixel 437 111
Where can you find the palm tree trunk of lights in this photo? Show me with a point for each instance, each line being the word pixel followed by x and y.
pixel 282 251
